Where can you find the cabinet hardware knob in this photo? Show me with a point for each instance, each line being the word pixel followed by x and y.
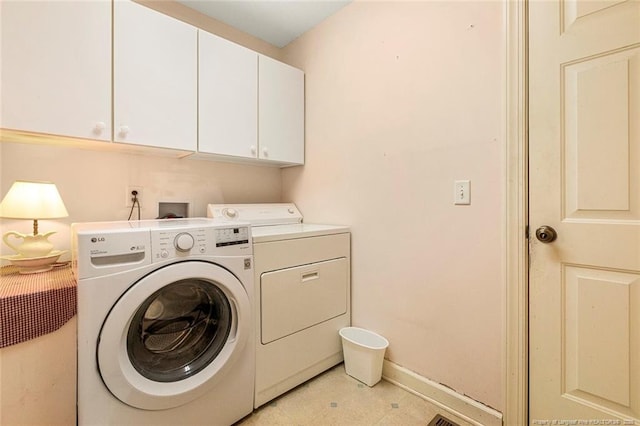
pixel 99 127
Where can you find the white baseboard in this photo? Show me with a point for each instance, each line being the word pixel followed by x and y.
pixel 457 404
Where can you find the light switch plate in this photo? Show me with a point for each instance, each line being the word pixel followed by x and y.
pixel 462 192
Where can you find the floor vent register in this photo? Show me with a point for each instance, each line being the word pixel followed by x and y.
pixel 441 421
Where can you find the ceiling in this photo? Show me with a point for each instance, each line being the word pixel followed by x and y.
pixel 274 21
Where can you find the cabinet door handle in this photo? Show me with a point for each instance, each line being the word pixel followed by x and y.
pixel 253 150
pixel 265 152
pixel 124 131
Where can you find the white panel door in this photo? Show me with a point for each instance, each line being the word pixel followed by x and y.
pixel 281 112
pixel 227 97
pixel 584 151
pixel 155 78
pixel 56 67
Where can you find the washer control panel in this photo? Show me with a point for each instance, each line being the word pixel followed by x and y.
pixel 171 243
pixel 100 248
pixel 174 243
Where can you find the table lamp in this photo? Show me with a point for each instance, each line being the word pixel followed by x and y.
pixel 32 200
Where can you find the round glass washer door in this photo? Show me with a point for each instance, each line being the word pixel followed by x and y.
pixel 172 334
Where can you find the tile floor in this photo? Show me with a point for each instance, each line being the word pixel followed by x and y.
pixel 334 398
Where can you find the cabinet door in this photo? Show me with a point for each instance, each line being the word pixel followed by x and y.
pixel 155 78
pixel 56 67
pixel 281 112
pixel 227 97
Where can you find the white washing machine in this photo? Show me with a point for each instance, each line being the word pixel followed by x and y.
pixel 302 293
pixel 165 322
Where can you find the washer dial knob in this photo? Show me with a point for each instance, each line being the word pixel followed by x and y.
pixel 184 242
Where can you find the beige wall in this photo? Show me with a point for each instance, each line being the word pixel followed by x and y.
pixel 403 98
pixel 93 184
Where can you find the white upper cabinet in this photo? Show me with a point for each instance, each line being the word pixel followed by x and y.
pixel 250 106
pixel 56 67
pixel 154 78
pixel 228 98
pixel 281 112
pixel 120 71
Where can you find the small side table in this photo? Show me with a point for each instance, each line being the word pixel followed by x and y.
pixel 35 304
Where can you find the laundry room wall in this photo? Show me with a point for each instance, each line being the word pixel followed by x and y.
pixel 93 184
pixel 403 98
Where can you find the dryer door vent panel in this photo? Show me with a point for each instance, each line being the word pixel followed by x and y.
pixel 297 298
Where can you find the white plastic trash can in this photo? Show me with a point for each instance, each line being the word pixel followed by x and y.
pixel 363 354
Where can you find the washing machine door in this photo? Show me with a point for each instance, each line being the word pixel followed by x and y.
pixel 173 335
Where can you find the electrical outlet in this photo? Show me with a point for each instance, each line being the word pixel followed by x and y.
pixel 129 196
pixel 462 192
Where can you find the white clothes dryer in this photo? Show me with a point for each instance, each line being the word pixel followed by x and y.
pixel 302 293
pixel 165 322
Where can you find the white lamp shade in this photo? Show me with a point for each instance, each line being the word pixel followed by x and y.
pixel 32 200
